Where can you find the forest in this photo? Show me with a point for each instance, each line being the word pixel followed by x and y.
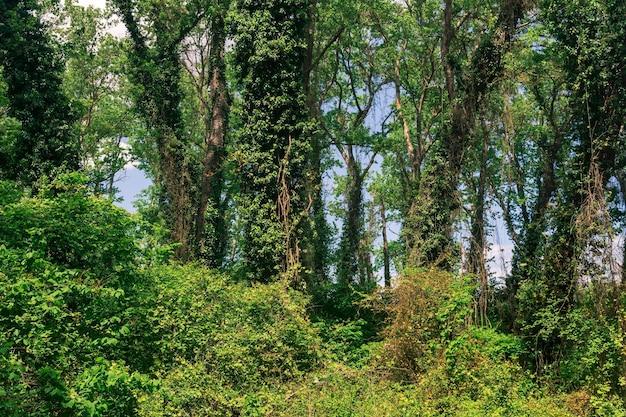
pixel 356 208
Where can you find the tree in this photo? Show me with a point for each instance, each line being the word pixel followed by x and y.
pixel 579 223
pixel 531 149
pixel 350 98
pixel 270 52
pixel 156 30
pixel 10 130
pixel 32 69
pixel 204 61
pixel 98 91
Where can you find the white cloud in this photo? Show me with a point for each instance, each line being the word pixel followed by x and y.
pixel 96 3
pixel 130 164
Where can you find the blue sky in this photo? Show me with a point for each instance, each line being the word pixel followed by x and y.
pixel 131 181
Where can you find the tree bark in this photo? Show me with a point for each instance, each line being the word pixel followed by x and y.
pixel 214 143
pixel 386 263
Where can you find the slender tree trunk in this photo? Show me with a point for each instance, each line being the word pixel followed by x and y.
pixel 317 233
pixel 352 228
pixel 478 244
pixel 386 263
pixel 214 142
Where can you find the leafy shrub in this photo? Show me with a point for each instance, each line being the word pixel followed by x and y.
pixel 216 340
pixel 348 342
pixel 428 309
pixel 106 389
pixel 594 340
pixel 68 267
pixel 67 226
pixel 338 390
pixel 54 323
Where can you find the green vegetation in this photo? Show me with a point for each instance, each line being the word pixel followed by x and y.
pixel 328 181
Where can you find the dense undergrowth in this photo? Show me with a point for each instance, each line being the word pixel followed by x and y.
pixel 95 321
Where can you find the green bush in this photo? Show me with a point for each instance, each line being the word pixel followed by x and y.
pixel 349 320
pixel 427 310
pixel 338 390
pixel 216 340
pixel 69 265
pixel 593 334
pixel 67 226
pixel 54 324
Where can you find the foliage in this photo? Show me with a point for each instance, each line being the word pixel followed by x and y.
pixel 82 323
pixel 443 112
pixel 593 340
pixel 429 309
pixel 215 341
pixel 272 142
pixel 342 391
pixel 58 325
pixel 32 70
pixel 348 321
pixel 66 258
pixel 97 89
pixel 64 225
pixel 245 333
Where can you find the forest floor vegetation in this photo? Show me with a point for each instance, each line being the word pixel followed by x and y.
pixel 96 321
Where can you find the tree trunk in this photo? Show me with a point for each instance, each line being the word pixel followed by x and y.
pixel 386 263
pixel 478 245
pixel 317 233
pixel 349 270
pixel 214 142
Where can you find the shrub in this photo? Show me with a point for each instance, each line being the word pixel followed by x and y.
pixel 68 227
pixel 216 340
pixel 428 309
pixel 54 324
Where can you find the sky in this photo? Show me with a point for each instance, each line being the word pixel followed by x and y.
pixel 130 181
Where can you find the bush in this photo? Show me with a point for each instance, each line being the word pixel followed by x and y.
pixel 68 227
pixel 216 340
pixel 54 324
pixel 69 264
pixel 342 391
pixel 428 309
pixel 593 334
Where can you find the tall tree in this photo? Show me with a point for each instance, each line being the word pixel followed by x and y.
pixel 466 87
pixel 414 69
pixel 593 63
pixel 270 54
pixel 532 146
pixel 97 88
pixel 32 72
pixel 352 87
pixel 316 248
pixel 156 30
pixel 203 58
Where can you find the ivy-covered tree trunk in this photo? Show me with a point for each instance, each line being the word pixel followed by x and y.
pixel 476 262
pixel 576 248
pixel 466 90
pixel 270 53
pixel 32 72
pixel 156 71
pixel 349 268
